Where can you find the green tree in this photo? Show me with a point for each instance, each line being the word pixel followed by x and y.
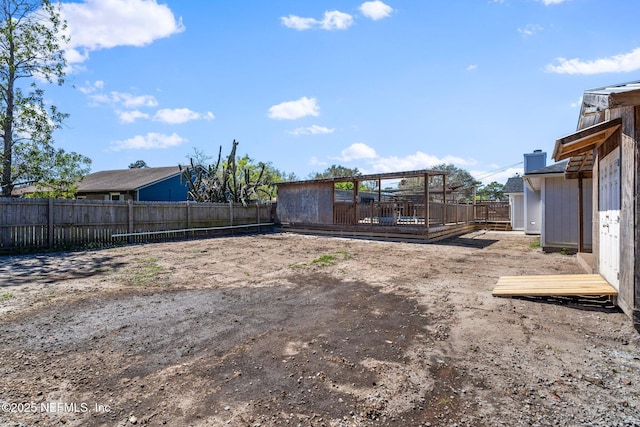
pixel 339 171
pixel 138 164
pixel 457 179
pixel 492 191
pixel 63 176
pixel 237 179
pixel 31 34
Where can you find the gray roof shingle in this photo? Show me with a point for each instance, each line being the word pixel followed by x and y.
pixel 555 168
pixel 514 185
pixel 125 179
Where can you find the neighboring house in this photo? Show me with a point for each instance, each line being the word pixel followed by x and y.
pixel 558 199
pixel 605 148
pixel 532 201
pixel 514 189
pixel 143 184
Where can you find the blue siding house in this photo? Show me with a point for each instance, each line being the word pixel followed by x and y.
pixel 144 184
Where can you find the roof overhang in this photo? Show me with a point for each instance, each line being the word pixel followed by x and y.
pixel 579 146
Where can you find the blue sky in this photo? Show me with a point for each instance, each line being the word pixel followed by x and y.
pixel 381 86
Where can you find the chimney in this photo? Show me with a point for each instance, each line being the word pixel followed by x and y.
pixel 534 161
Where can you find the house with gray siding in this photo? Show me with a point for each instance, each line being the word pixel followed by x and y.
pixel 559 197
pixel 514 189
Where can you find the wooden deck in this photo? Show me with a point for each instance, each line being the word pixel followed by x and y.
pixel 553 285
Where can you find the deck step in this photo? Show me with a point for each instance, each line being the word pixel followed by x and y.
pixel 553 285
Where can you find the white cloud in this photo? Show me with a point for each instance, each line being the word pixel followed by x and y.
pixel 472 67
pixel 90 88
pixel 297 22
pixel 180 115
pixel 104 24
pixel 292 110
pixel 312 130
pixel 416 161
pixel 149 141
pixel 357 151
pixel 616 64
pixel 529 30
pixel 376 164
pixel 336 20
pixel 131 116
pixel 313 161
pixel 133 101
pixel 331 20
pixel 375 10
pixel 123 99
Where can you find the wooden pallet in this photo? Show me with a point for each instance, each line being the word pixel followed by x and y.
pixel 553 285
pixel 497 226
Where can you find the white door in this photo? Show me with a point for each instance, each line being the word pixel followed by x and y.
pixel 609 213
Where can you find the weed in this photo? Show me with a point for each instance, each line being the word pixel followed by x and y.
pixel 443 401
pixel 146 272
pixel 535 245
pixel 564 251
pixel 325 260
pixel 5 296
pixel 345 255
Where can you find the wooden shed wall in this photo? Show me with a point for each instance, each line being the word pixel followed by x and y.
pixel 636 187
pixel 309 203
pixel 628 166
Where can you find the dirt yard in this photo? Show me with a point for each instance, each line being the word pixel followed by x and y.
pixel 291 330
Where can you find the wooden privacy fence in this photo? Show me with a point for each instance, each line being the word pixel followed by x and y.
pixel 63 223
pixel 493 212
pixel 402 213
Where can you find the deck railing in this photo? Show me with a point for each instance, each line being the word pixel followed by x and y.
pixel 401 213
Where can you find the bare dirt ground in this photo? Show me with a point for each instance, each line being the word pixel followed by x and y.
pixel 284 329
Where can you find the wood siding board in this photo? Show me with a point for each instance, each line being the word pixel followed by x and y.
pixel 636 223
pixel 627 217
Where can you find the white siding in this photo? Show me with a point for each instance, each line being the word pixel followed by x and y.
pixel 516 202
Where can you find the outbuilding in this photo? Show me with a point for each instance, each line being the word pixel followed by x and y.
pixel 606 148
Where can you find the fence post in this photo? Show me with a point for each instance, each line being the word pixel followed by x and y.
pixel 230 212
pixel 188 215
pixel 258 214
pixel 50 234
pixel 130 219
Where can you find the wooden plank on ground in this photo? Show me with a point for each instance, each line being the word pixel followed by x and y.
pixel 553 285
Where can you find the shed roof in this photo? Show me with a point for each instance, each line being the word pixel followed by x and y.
pixel 593 128
pixel 125 179
pixel 514 185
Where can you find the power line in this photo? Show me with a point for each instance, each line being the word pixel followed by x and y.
pixel 497 171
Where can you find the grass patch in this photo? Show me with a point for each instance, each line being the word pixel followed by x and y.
pixel 325 260
pixel 535 245
pixel 5 296
pixel 146 272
